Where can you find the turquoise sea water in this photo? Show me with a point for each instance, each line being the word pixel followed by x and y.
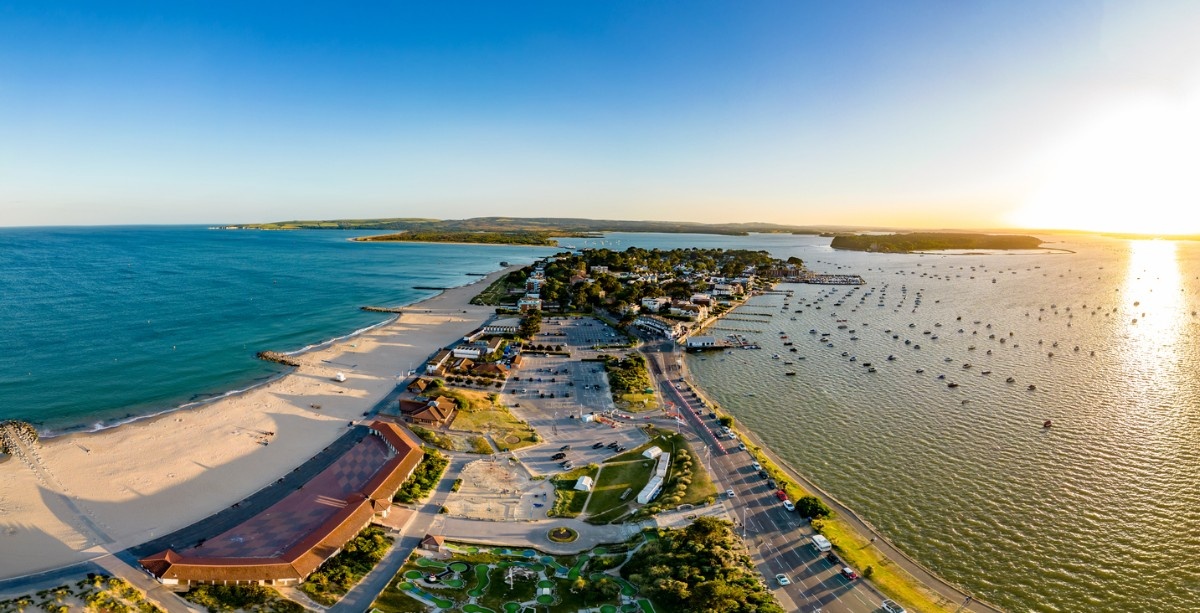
pixel 102 324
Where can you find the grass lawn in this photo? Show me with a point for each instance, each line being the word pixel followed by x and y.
pixel 892 580
pixel 637 402
pixel 500 423
pixel 614 479
pixel 394 600
pixel 497 293
pixel 636 453
pixel 568 502
pixel 498 593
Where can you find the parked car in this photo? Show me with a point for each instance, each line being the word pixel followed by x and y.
pixel 772 484
pixel 782 580
pixel 782 495
pixel 558 456
pixel 849 573
pixel 729 493
pixel 565 448
pixel 788 506
pixel 742 446
pixel 890 606
pixel 757 466
pixel 612 445
pixel 762 474
pixel 597 445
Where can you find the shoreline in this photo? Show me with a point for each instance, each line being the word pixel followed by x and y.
pixel 87 494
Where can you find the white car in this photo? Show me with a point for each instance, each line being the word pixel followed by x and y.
pixel 729 493
pixel 783 580
pixel 890 606
pixel 742 446
pixel 787 504
pixel 757 466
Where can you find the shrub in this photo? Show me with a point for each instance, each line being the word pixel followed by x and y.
pixel 424 477
pixel 811 506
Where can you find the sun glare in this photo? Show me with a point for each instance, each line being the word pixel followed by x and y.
pixel 1130 169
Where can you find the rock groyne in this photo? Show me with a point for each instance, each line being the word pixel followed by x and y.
pixel 279 358
pixel 382 309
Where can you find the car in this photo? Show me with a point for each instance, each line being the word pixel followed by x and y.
pixel 568 465
pixel 729 493
pixel 620 448
pixel 780 494
pixel 891 606
pixel 558 456
pixel 788 506
pixel 742 446
pixel 849 573
pixel 772 484
pixel 757 466
pixel 597 445
pixel 762 474
pixel 565 448
pixel 612 445
pixel 782 580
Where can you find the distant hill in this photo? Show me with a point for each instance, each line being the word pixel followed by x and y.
pixel 549 226
pixel 932 241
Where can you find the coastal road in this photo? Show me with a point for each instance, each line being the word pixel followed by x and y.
pixel 776 538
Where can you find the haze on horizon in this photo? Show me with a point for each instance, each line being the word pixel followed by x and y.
pixel 1080 115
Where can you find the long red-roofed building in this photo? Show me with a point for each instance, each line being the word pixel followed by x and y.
pixel 289 540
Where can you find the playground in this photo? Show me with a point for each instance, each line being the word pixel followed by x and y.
pixel 504 580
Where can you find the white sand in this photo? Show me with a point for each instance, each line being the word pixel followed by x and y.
pixel 145 479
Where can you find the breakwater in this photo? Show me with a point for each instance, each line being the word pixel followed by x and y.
pixel 379 309
pixel 278 358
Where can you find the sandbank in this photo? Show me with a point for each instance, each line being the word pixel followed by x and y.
pixel 86 495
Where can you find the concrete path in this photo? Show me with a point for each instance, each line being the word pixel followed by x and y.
pixel 532 534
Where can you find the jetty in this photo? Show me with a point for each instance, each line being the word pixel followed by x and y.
pixel 813 278
pixel 380 309
pixel 278 358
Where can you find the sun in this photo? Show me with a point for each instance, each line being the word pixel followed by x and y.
pixel 1131 168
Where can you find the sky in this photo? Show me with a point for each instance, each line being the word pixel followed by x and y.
pixel 1071 114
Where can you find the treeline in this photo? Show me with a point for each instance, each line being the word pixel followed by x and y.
pixel 932 241
pixel 424 477
pixel 338 574
pixel 699 569
pixel 540 239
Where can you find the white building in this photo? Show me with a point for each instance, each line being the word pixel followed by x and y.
pixel 468 351
pixel 701 341
pixel 658 325
pixel 530 302
pixel 652 452
pixel 654 304
pixel 503 326
pixel 584 484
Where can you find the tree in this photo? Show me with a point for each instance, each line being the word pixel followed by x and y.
pixel 811 506
pixel 726 421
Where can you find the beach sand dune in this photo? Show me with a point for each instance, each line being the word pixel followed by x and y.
pixel 83 495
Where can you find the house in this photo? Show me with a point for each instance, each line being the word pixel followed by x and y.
pixel 495 369
pixel 599 270
pixel 419 385
pixel 702 299
pixel 584 484
pixel 433 543
pixel 655 304
pixel 529 302
pixel 658 325
pixel 467 351
pixel 701 341
pixel 463 364
pixel 689 311
pixel 503 326
pixel 437 363
pixel 437 412
pixel 489 345
pixel 727 289
pixel 533 285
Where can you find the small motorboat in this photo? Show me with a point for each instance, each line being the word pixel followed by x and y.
pixel 920 370
pixel 1010 380
pixel 1031 387
pixel 339 377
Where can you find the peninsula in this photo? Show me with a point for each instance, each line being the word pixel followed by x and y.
pixel 546 226
pixel 932 241
pixel 536 239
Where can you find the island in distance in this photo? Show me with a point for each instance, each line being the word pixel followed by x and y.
pixel 932 241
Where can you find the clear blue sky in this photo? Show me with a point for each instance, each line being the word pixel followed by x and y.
pixel 903 113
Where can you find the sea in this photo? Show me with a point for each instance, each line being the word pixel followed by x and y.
pixel 1100 511
pixel 102 325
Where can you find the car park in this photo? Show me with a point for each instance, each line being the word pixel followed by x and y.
pixel 891 606
pixel 849 573
pixel 782 580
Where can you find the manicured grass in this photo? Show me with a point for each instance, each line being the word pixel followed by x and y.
pixel 497 293
pixel 568 502
pixel 481 578
pixel 636 453
pixel 500 423
pixel 396 600
pixel 428 563
pixel 610 515
pixel 892 580
pixel 614 479
pixel 458 567
pixel 636 403
pixel 498 592
pixel 646 606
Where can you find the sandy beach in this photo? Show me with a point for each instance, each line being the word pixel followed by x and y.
pixel 84 495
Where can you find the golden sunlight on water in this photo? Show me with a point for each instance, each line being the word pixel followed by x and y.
pixel 1155 312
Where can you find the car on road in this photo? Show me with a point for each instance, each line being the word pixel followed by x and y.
pixel 782 580
pixel 849 573
pixel 729 493
pixel 788 506
pixel 890 606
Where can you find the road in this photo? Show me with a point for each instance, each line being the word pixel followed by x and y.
pixel 776 538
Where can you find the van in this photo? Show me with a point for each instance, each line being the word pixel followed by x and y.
pixel 821 543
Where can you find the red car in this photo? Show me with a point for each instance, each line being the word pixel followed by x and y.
pixel 782 495
pixel 849 573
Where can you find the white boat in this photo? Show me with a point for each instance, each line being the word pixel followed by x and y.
pixel 339 377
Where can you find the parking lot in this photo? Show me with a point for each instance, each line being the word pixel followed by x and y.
pixel 555 393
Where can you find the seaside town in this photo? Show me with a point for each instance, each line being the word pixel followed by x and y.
pixel 551 456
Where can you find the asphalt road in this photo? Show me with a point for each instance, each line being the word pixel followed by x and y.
pixel 777 536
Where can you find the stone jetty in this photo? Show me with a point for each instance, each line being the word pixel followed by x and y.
pixel 381 309
pixel 279 358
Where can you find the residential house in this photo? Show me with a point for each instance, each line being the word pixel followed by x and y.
pixel 658 325
pixel 655 304
pixel 689 311
pixel 436 543
pixel 418 386
pixel 702 299
pixel 529 302
pixel 436 412
pixel 437 364
pixel 490 368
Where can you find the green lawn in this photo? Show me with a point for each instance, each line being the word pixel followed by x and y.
pixel 635 403
pixel 615 479
pixel 568 502
pixel 501 423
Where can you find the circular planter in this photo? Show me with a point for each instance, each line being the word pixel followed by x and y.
pixel 562 535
